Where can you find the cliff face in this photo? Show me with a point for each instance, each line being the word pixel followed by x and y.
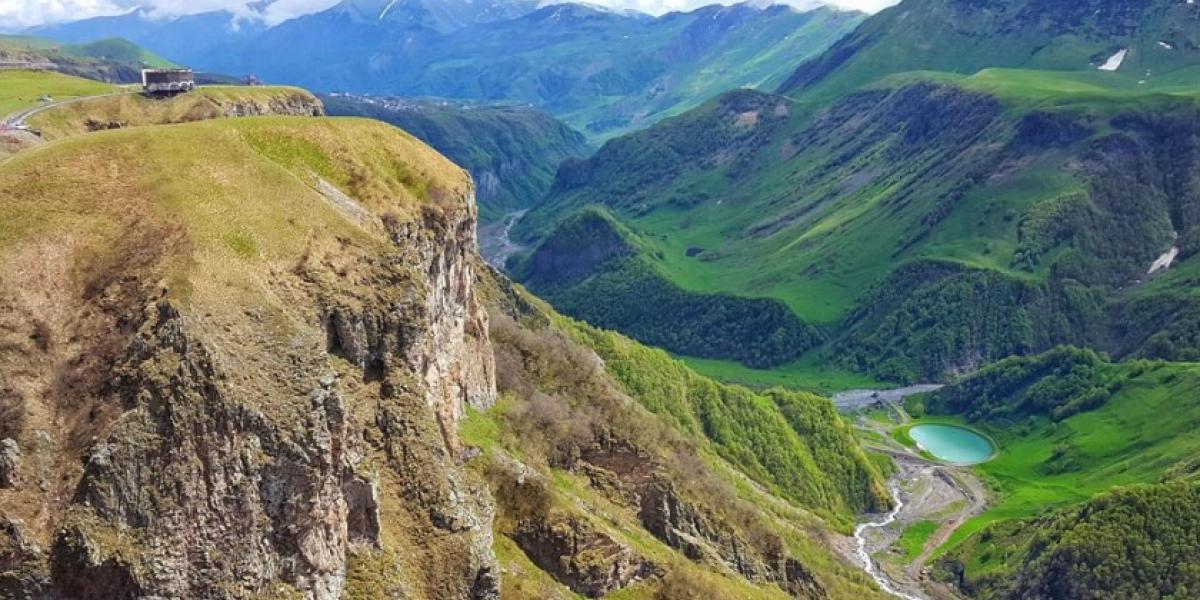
pixel 209 409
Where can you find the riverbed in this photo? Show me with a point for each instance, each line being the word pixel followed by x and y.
pixel 852 400
pixel 495 240
pixel 864 555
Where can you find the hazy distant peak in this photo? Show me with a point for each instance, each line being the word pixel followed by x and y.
pixel 624 12
pixel 441 15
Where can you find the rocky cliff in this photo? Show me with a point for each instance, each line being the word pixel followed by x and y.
pixel 224 384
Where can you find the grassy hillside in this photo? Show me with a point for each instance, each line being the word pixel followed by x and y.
pixel 286 157
pixel 1136 425
pixel 793 443
pixel 113 60
pixel 1159 36
pixel 928 222
pixel 1120 544
pixel 206 229
pixel 579 404
pixel 591 268
pixel 1071 425
pixel 512 152
pixel 207 102
pixel 24 89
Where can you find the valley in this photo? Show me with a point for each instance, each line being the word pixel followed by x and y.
pixel 499 300
pixel 495 240
pixel 604 72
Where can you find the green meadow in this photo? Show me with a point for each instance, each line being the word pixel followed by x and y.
pixel 1150 425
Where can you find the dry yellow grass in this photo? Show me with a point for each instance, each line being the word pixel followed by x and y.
pixel 244 189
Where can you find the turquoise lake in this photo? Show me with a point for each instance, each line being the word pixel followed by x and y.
pixel 953 444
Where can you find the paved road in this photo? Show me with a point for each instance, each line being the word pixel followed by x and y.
pixel 19 119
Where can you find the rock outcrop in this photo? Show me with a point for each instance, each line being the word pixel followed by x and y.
pixel 577 554
pixel 10 463
pixel 634 477
pixel 293 103
pixel 292 439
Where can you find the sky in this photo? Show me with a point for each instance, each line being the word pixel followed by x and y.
pixel 18 14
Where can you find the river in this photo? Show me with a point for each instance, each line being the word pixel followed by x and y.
pixel 869 564
pixel 495 240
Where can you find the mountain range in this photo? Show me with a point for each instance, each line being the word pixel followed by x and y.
pixel 853 207
pixel 955 192
pixel 248 350
pixel 603 72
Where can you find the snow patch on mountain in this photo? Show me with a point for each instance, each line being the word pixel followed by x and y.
pixel 1114 62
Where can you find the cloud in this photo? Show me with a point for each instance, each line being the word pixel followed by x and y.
pixel 282 10
pixel 15 14
pixel 18 14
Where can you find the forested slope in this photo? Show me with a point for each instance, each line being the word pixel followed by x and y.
pixel 928 222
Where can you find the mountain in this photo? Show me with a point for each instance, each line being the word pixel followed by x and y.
pixel 1156 39
pixel 187 40
pixel 512 152
pixel 997 196
pixel 112 60
pixel 443 16
pixel 271 337
pixel 603 72
pixel 927 222
pixel 1110 546
pixel 600 71
pixel 1097 481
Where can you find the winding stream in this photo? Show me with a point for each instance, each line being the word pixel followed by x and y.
pixel 869 565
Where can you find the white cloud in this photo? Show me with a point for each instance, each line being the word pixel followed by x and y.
pixel 15 14
pixel 18 14
pixel 282 10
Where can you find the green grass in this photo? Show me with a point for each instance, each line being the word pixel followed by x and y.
pixel 1151 424
pixel 246 209
pixel 136 110
pixel 479 429
pixel 22 89
pixel 111 51
pixel 840 223
pixel 809 373
pixel 527 579
pixel 115 50
pixel 912 541
pixel 518 145
pixel 794 444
